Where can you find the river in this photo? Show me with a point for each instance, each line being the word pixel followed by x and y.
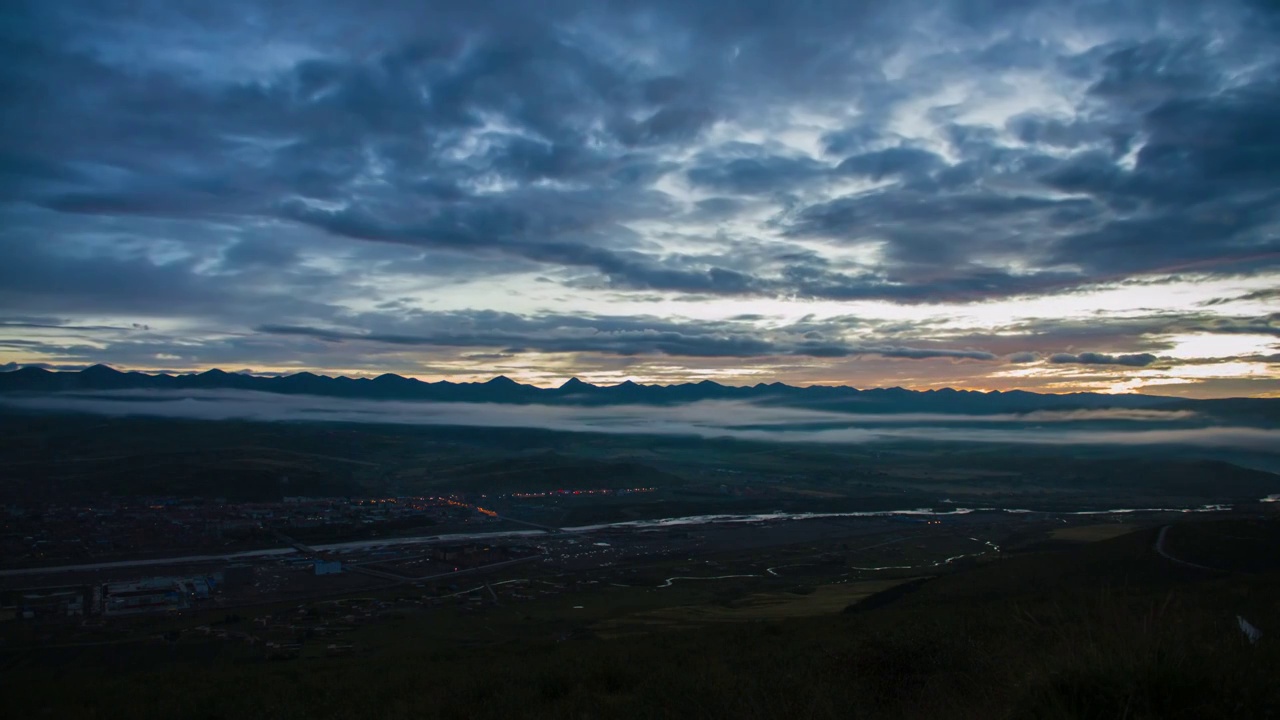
pixel 630 524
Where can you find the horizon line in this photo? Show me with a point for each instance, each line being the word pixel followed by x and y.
pixel 269 375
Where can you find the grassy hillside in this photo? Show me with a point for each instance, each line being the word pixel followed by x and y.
pixel 1102 630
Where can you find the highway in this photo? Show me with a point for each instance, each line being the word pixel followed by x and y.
pixel 544 529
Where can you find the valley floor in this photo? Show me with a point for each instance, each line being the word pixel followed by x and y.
pixel 1096 627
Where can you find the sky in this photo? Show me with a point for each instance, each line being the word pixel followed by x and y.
pixel 1046 195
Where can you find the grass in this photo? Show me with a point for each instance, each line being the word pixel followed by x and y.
pixel 1231 546
pixel 1091 533
pixel 1103 630
pixel 801 601
pixel 1138 664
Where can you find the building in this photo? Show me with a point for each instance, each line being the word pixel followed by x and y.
pixel 67 602
pixel 237 576
pixel 196 587
pixel 150 595
pixel 328 568
pixel 472 553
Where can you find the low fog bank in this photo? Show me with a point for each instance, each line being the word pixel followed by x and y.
pixel 709 418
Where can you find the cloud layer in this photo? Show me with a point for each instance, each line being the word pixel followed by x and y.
pixel 912 192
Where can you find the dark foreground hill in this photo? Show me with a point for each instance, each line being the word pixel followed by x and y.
pixel 575 392
pixel 1110 630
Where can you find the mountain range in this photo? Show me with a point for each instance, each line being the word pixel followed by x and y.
pixel 575 392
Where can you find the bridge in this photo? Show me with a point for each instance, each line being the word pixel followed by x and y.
pixel 304 549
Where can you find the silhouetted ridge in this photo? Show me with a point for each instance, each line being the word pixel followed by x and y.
pixel 574 384
pixel 103 371
pixel 503 389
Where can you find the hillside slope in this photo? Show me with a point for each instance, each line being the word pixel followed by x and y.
pixel 1105 630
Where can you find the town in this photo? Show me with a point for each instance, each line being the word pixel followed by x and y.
pixel 103 529
pixel 245 574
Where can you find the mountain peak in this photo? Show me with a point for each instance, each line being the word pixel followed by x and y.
pixel 390 378
pixel 504 389
pixel 33 370
pixel 100 369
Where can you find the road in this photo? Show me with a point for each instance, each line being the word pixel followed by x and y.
pixel 270 552
pixel 868 547
pixel 1160 548
pixel 542 529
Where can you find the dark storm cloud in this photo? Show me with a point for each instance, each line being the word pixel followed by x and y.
pixel 577 115
pixel 56 324
pixel 615 335
pixel 32 278
pixel 44 278
pixel 1149 73
pixel 752 175
pixel 904 161
pixel 249 253
pixel 1039 129
pixel 916 354
pixel 1270 294
pixel 1267 325
pixel 1092 358
pixel 188 160
pixel 614 338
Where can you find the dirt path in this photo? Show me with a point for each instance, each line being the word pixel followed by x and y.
pixel 1160 548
